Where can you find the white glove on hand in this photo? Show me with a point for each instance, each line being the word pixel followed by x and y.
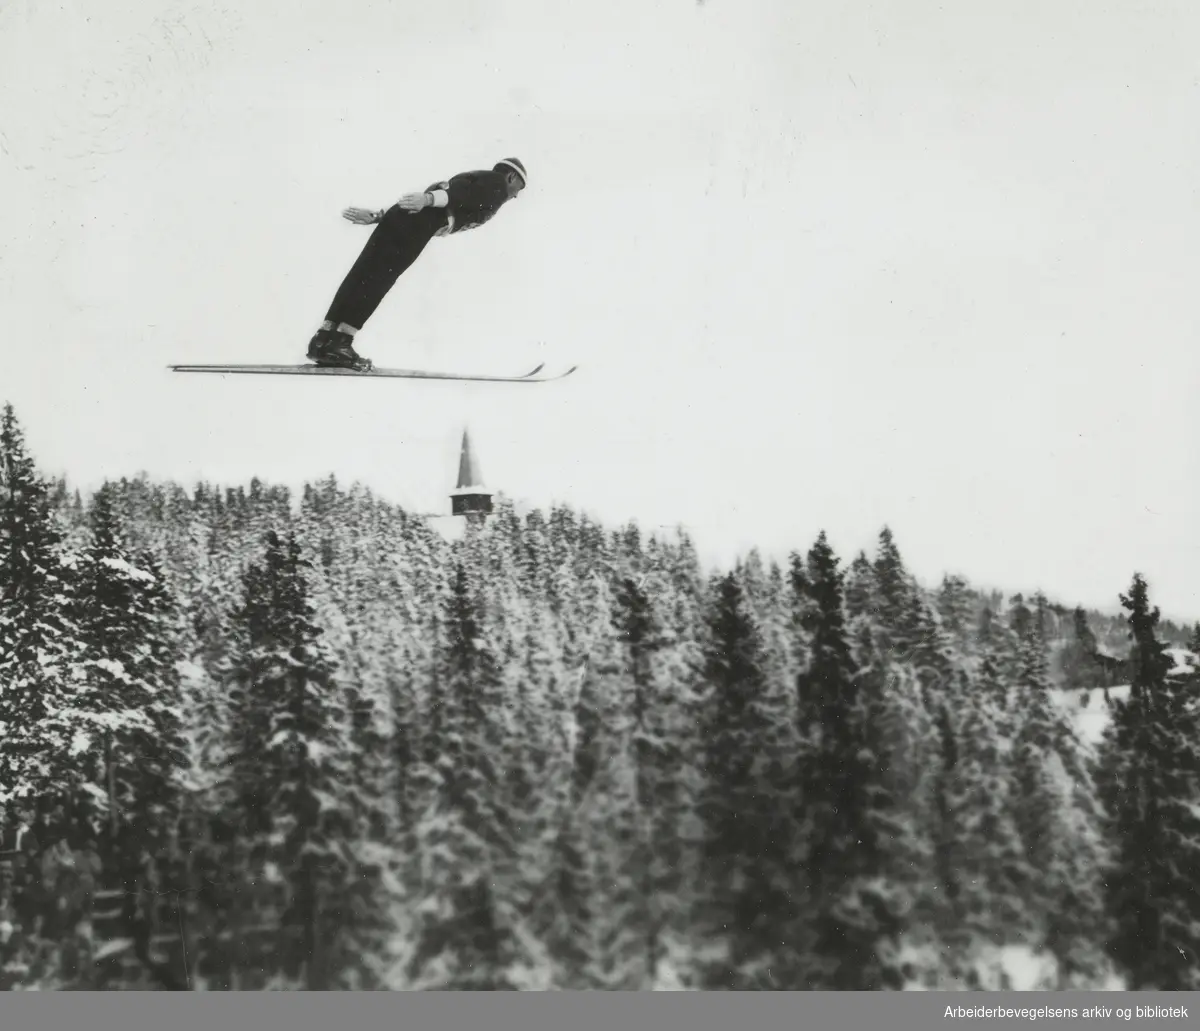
pixel 414 202
pixel 362 216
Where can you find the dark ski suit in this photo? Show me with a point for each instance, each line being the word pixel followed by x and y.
pixel 400 237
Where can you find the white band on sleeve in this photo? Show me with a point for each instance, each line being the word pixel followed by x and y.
pixel 440 198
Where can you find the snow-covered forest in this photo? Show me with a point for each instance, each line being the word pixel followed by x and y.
pixel 317 745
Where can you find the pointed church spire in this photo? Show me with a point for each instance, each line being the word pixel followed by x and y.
pixel 470 497
pixel 468 467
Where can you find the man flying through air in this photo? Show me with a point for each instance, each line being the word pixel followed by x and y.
pixel 463 202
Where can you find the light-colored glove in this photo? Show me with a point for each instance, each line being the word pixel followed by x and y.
pixel 414 202
pixel 362 216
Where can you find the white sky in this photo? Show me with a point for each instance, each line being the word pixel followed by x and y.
pixel 822 265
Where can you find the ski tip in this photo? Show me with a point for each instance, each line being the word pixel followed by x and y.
pixel 534 371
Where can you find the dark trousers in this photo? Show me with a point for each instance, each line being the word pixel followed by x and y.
pixel 394 245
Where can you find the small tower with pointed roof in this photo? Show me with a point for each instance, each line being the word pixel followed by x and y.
pixel 470 497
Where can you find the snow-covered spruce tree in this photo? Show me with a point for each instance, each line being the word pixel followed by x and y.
pixel 748 805
pixel 849 809
pixel 465 936
pixel 129 698
pixel 771 602
pixel 592 550
pixel 999 648
pixel 565 912
pixel 1021 618
pixel 612 827
pixel 1077 659
pixel 931 652
pixel 985 627
pixel 895 600
pixel 956 607
pixel 659 756
pixel 536 683
pixel 205 585
pixel 1057 817
pixel 600 928
pixel 1151 761
pixel 992 682
pixel 1045 620
pixel 596 920
pixel 574 912
pixel 363 616
pixel 288 771
pixel 677 673
pixel 861 590
pixel 368 770
pixel 562 910
pixel 612 916
pixel 978 848
pixel 38 646
pixel 525 639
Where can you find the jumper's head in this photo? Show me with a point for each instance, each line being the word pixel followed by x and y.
pixel 514 175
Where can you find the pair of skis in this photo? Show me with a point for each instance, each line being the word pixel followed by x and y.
pixel 318 370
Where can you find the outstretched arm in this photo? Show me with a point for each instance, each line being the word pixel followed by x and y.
pixel 438 197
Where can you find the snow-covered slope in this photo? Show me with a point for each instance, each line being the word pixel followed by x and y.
pixel 1089 709
pixel 1185 662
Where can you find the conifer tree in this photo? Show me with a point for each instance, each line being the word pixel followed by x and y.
pixel 637 628
pixel 566 910
pixel 288 766
pixel 999 645
pixel 1152 796
pixel 38 646
pixel 896 590
pixel 954 605
pixel 1043 617
pixel 130 696
pixel 862 590
pixel 848 803
pixel 465 939
pixel 986 629
pixel 1058 822
pixel 772 608
pixel 930 650
pixel 748 802
pixel 573 904
pixel 1194 640
pixel 678 674
pixel 1077 657
pixel 1020 618
pixel 980 849
pixel 991 677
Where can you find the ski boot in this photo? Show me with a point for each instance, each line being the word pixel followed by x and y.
pixel 333 350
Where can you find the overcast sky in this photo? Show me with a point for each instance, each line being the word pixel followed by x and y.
pixel 822 265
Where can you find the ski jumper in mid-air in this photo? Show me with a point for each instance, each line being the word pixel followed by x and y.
pixel 463 202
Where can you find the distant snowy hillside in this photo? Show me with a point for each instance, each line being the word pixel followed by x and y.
pixel 1089 709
